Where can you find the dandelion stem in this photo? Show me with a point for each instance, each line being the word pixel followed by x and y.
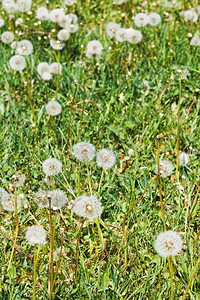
pixel 77 249
pixel 126 215
pixel 83 108
pixel 172 276
pixel 160 191
pixel 195 245
pixel 100 232
pixel 16 230
pixel 57 79
pixel 100 182
pixel 29 95
pixel 34 273
pixel 71 114
pixel 178 129
pixel 193 274
pixel 89 179
pixel 51 252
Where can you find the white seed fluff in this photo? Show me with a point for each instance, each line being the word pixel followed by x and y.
pixel 106 158
pixel 56 44
pixel 10 6
pixel 166 168
pixel 195 41
pixel 63 35
pixel 168 243
pixel 121 35
pixel 184 158
pixel 35 235
pixel 42 13
pixel 94 48
pixel 24 5
pixel 133 36
pixel 55 68
pixel 58 199
pixel 52 167
pixel 141 20
pixel 46 76
pixel 7 37
pixel 24 47
pixel 87 207
pixel 43 67
pixel 17 62
pixel 8 202
pixel 56 15
pixel 83 151
pixel 53 108
pixel 154 19
pixel 69 2
pixel 111 29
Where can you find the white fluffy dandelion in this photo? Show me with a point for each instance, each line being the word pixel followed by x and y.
pixel 63 35
pixel 52 167
pixel 7 37
pixel 65 21
pixel 8 202
pixel 42 13
pixel 83 151
pixel 72 28
pixel 168 243
pixel 10 6
pixel 166 168
pixel 94 48
pixel 195 41
pixel 56 44
pixel 58 199
pixel 41 199
pixel 53 108
pixel 111 29
pixel 154 19
pixel 56 15
pixel 24 5
pixel 43 67
pixel 106 158
pixel 121 35
pixel 88 207
pixel 19 22
pixel 24 47
pixel 18 179
pixel 55 68
pixel 35 235
pixel 184 158
pixel 17 62
pixel 141 20
pixel 46 76
pixel 133 36
pixel 69 2
pixel 1 22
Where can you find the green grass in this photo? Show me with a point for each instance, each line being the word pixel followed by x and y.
pixel 121 115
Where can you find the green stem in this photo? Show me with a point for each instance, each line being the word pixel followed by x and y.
pixel 126 215
pixel 57 79
pixel 34 273
pixel 83 108
pixel 16 230
pixel 100 182
pixel 29 95
pixel 178 129
pixel 50 283
pixel 160 191
pixel 89 179
pixel 172 276
pixel 193 274
pixel 71 114
pixel 100 232
pixel 54 127
pixel 77 249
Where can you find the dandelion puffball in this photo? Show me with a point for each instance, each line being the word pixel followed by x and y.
pixel 88 207
pixel 52 167
pixel 7 37
pixel 166 168
pixel 35 235
pixel 106 158
pixel 17 62
pixel 94 48
pixel 83 151
pixel 53 108
pixel 168 243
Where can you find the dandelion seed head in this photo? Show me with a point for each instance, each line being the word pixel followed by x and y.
pixel 72 28
pixel 56 253
pixel 106 159
pixel 58 199
pixel 168 243
pixel 1 22
pixel 184 158
pixel 154 19
pixel 195 41
pixel 17 62
pixel 10 6
pixel 55 68
pixel 69 2
pixel 111 29
pixel 8 202
pixel 43 67
pixel 24 5
pixel 24 47
pixel 83 151
pixel 46 76
pixel 18 179
pixel 133 36
pixel 56 15
pixel 94 48
pixel 88 207
pixel 56 44
pixel 121 35
pixel 65 21
pixel 42 13
pixel 63 35
pixel 52 167
pixel 7 37
pixel 35 235
pixel 18 22
pixel 141 20
pixel 53 108
pixel 166 168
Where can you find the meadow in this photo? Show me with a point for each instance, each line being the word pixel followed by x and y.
pixel 100 139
